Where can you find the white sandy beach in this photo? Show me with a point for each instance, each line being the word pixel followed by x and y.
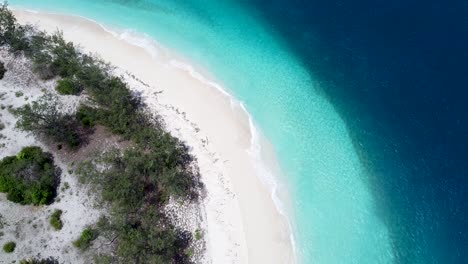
pixel 242 223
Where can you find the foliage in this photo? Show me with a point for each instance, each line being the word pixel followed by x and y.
pixel 198 234
pixel 29 177
pixel 145 237
pixel 134 174
pixel 68 86
pixel 135 183
pixel 11 33
pixel 55 220
pixel 51 55
pixel 44 117
pixel 9 247
pixel 2 70
pixel 86 115
pixel 88 235
pixel 132 183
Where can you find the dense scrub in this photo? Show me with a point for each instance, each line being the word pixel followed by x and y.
pixel 134 183
pixel 29 177
pixel 68 86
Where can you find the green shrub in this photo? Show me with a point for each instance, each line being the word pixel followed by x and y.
pixel 44 117
pixel 19 94
pixel 86 238
pixel 198 234
pixel 68 87
pixel 55 220
pixel 9 247
pixel 11 33
pixel 87 116
pixel 29 177
pixel 2 70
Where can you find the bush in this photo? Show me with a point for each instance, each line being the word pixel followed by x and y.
pixel 86 238
pixel 44 117
pixel 9 247
pixel 87 116
pixel 11 33
pixel 198 234
pixel 29 177
pixel 55 220
pixel 68 87
pixel 133 185
pixel 2 70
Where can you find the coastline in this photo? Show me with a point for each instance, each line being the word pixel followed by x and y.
pixel 242 221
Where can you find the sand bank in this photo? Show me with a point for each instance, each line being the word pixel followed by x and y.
pixel 242 223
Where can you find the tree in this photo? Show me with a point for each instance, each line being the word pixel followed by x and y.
pixel 7 24
pixel 44 117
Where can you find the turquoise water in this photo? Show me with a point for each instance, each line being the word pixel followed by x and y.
pixel 334 215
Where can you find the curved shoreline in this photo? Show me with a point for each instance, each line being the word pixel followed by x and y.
pixel 265 236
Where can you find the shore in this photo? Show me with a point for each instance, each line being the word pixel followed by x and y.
pixel 243 224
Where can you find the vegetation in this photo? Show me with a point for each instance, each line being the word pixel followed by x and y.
pixel 86 238
pixel 9 247
pixel 134 183
pixel 44 117
pixel 2 70
pixel 55 220
pixel 68 86
pixel 29 177
pixel 198 234
pixel 86 116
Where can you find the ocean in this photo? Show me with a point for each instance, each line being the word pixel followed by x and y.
pixel 364 102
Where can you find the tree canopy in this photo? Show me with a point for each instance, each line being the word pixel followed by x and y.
pixel 29 177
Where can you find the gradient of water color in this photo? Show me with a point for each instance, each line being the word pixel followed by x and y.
pixel 330 85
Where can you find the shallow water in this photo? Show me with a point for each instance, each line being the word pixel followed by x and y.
pixel 363 104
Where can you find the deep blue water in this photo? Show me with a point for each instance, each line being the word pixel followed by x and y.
pixel 378 170
pixel 397 72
